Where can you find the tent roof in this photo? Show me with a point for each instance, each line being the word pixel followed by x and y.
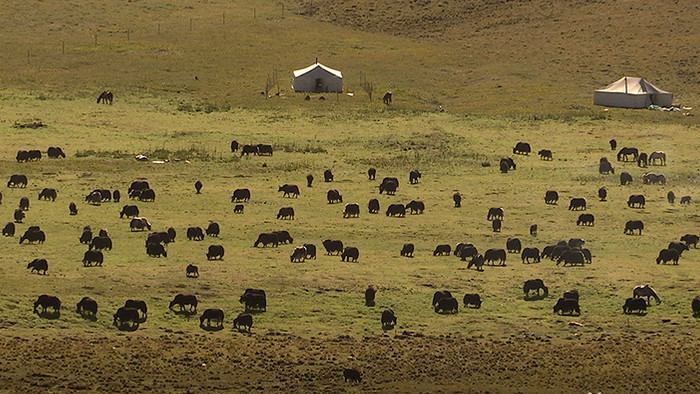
pixel 317 65
pixel 632 85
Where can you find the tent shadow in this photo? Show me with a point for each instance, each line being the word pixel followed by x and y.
pixel 211 328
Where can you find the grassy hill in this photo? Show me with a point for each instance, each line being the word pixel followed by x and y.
pixel 469 56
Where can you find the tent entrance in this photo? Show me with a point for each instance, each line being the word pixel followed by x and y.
pixel 318 87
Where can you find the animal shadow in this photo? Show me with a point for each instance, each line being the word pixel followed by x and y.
pixel 211 328
pixel 127 327
pixel 49 315
pixel 369 303
pixel 92 318
pixel 388 327
pixel 535 297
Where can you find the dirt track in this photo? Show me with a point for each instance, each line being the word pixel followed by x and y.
pixel 402 363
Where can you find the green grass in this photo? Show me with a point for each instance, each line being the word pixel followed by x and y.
pixel 324 295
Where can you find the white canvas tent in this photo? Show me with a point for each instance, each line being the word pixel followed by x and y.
pixel 318 78
pixel 632 92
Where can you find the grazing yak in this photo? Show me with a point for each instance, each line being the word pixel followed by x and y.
pixel 283 237
pixel 298 255
pixel 671 197
pixel 139 306
pixel 254 299
pixel 495 255
pixel 521 148
pixel 679 246
pixel 495 213
pixel 387 98
pixel 625 178
pixel 9 230
pixel 545 154
pixel 328 176
pixel 350 254
pixel 645 291
pixel 585 219
pixel 571 295
pixel 373 206
pixel 473 300
pixel 508 162
pixel 244 321
pixel 576 243
pixel 577 204
pixel 642 160
pixel 447 305
pixel 126 315
pixel 198 187
pixel 551 197
pixel 334 196
pixel 130 211
pixel 192 271
pixel 650 178
pixel 100 242
pixel 685 200
pixel 17 181
pixel 440 295
pixel 309 180
pixel 195 234
pixel 73 209
pixel 567 306
pixel 468 250
pixel 333 246
pixel 533 230
pixel 33 235
pixel 666 255
pixel 310 251
pixel 351 211
pixel 86 307
pixel 636 201
pixel 139 224
pixel 613 144
pixel 625 153
pixel 234 146
pixel 389 185
pixel 372 173
pixel 442 250
pixel 388 319
pixel 86 236
pixel 147 195
pixel 24 203
pixel 265 239
pixel 46 301
pixel 264 150
pixel 513 245
pixel 535 284
pixel 414 176
pixel 352 375
pixel 695 304
pixel 370 293
pixel 248 149
pixel 213 229
pixel 396 210
pixel 215 252
pixel 572 257
pixel 156 250
pixel 530 255
pixel 605 167
pixel 457 198
pixel 689 239
pixel 38 265
pixel 182 301
pixel 289 190
pixel 657 156
pixel 602 194
pixel 138 185
pixel 240 195
pixel 477 261
pixel 634 304
pixel 93 257
pixel 503 166
pixel 160 237
pixel 496 225
pixel 238 208
pixel 22 156
pixel 212 314
pixel 632 225
pixel 415 207
pixel 171 234
pixel 407 250
pixel 48 194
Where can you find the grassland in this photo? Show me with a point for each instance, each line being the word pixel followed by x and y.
pixel 316 323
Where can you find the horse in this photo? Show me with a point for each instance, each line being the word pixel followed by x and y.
pixel 645 291
pixel 657 155
pixel 106 97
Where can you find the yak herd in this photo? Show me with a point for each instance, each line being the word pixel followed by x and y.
pixel 134 312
